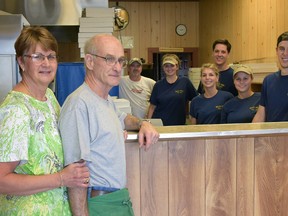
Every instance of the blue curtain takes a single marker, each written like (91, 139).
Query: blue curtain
(69, 77)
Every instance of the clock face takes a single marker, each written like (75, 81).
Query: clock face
(181, 29)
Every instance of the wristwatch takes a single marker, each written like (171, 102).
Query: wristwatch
(141, 121)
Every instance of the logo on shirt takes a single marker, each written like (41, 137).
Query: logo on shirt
(180, 91)
(138, 91)
(219, 107)
(253, 108)
(220, 85)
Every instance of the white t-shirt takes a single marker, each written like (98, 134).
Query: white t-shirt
(138, 93)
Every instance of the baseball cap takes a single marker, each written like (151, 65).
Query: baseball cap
(138, 60)
(169, 60)
(243, 68)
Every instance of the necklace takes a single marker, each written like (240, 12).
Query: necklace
(23, 83)
(26, 88)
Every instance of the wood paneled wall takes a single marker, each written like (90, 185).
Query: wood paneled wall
(243, 176)
(152, 24)
(252, 27)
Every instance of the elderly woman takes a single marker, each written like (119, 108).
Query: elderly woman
(242, 108)
(170, 95)
(206, 108)
(32, 178)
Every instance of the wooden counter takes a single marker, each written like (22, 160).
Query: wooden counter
(211, 170)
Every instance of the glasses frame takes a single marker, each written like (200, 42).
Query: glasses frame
(39, 57)
(108, 61)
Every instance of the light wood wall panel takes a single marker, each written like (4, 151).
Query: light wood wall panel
(152, 24)
(252, 27)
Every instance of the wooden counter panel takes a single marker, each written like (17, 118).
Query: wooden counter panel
(187, 177)
(133, 174)
(271, 176)
(154, 180)
(243, 176)
(220, 177)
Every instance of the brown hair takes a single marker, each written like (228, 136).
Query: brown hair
(224, 42)
(282, 37)
(30, 37)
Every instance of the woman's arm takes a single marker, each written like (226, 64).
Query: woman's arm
(74, 175)
(151, 111)
(260, 115)
(193, 120)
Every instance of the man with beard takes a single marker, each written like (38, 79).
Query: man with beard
(221, 50)
(136, 88)
(274, 95)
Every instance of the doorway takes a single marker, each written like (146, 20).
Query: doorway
(187, 55)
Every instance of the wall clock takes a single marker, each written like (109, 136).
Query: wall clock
(181, 29)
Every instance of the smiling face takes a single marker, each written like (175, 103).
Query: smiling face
(40, 73)
(243, 82)
(282, 53)
(220, 55)
(170, 69)
(134, 71)
(209, 78)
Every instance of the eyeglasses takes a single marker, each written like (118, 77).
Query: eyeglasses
(111, 60)
(39, 58)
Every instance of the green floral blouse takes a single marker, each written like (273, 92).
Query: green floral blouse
(29, 134)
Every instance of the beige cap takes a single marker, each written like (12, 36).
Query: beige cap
(135, 60)
(243, 68)
(169, 60)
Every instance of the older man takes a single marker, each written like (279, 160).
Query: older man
(136, 88)
(92, 130)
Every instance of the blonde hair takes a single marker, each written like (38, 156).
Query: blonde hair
(210, 66)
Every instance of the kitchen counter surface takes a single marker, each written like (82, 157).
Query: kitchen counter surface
(218, 130)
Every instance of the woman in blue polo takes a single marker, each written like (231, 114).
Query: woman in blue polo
(243, 107)
(170, 96)
(206, 108)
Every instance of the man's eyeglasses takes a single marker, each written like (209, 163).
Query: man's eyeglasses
(111, 60)
(39, 58)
